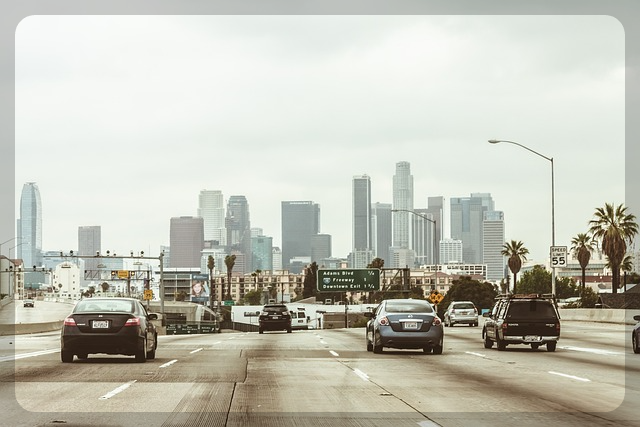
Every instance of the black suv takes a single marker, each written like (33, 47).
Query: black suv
(522, 319)
(275, 317)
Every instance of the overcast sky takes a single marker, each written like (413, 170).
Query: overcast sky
(121, 121)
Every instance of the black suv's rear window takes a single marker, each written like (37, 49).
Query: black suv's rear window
(275, 309)
(531, 309)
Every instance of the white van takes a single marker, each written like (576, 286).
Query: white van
(299, 319)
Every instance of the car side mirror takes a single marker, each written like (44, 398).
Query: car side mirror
(153, 316)
(369, 314)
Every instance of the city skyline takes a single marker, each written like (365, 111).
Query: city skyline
(427, 90)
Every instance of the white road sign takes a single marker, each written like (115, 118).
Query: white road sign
(558, 256)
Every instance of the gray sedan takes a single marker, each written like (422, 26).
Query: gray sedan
(404, 324)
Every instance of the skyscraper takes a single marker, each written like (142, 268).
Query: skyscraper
(186, 241)
(467, 217)
(435, 207)
(300, 221)
(238, 228)
(262, 249)
(402, 199)
(381, 224)
(29, 239)
(362, 238)
(493, 232)
(89, 238)
(211, 209)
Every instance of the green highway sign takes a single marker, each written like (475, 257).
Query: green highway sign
(348, 280)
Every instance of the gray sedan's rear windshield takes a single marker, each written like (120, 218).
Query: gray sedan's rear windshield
(408, 307)
(104, 305)
(463, 305)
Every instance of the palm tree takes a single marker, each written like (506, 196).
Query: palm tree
(229, 261)
(211, 263)
(582, 247)
(614, 227)
(516, 253)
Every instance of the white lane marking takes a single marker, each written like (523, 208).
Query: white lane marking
(475, 354)
(112, 393)
(593, 350)
(334, 353)
(169, 363)
(427, 423)
(570, 376)
(322, 342)
(196, 350)
(361, 374)
(25, 355)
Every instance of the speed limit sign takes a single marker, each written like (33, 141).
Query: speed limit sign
(558, 256)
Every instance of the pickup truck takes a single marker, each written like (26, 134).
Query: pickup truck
(530, 319)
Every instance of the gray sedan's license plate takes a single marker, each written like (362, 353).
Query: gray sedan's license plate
(100, 324)
(531, 338)
(411, 325)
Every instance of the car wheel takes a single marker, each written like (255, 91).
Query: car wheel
(82, 356)
(260, 331)
(535, 346)
(634, 343)
(501, 344)
(141, 353)
(66, 356)
(446, 322)
(289, 330)
(437, 349)
(376, 348)
(369, 344)
(487, 341)
(152, 354)
(551, 346)
(427, 349)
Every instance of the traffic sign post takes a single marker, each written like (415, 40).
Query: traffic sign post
(558, 256)
(348, 280)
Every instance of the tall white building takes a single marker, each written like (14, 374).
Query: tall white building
(492, 241)
(211, 210)
(450, 251)
(402, 200)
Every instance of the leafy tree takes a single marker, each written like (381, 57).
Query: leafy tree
(229, 261)
(253, 297)
(482, 294)
(182, 296)
(211, 263)
(614, 228)
(376, 263)
(309, 285)
(582, 247)
(538, 281)
(516, 253)
(589, 298)
(626, 267)
(104, 286)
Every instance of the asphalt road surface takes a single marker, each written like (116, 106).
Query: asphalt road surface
(326, 378)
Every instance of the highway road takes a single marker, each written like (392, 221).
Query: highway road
(326, 378)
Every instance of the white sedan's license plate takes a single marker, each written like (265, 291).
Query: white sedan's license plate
(531, 338)
(100, 324)
(411, 325)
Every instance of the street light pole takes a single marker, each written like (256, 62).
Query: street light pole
(432, 221)
(553, 225)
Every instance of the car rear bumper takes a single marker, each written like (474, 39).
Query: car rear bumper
(533, 340)
(99, 343)
(393, 339)
(463, 319)
(278, 325)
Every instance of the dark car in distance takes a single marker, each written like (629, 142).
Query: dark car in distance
(274, 317)
(28, 302)
(529, 319)
(635, 335)
(404, 324)
(109, 326)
